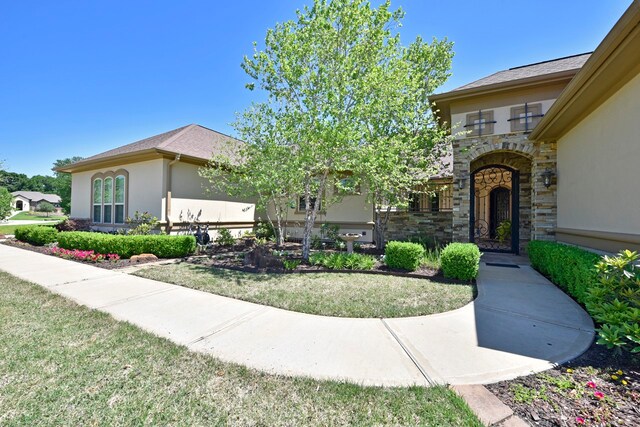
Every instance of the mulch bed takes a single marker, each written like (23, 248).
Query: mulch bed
(600, 388)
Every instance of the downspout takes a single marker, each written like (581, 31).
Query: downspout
(167, 209)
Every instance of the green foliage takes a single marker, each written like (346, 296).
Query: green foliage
(404, 255)
(426, 240)
(225, 238)
(291, 264)
(503, 231)
(316, 242)
(460, 261)
(614, 301)
(331, 232)
(36, 234)
(62, 184)
(342, 261)
(432, 258)
(46, 207)
(264, 229)
(162, 246)
(5, 203)
(572, 269)
(142, 223)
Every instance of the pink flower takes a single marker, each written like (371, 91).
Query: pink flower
(599, 395)
(591, 384)
(579, 420)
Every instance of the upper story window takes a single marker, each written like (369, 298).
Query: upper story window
(109, 197)
(302, 206)
(480, 123)
(525, 117)
(434, 198)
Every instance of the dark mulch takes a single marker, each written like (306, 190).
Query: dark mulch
(566, 395)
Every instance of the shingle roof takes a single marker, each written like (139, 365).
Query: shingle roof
(568, 63)
(36, 196)
(192, 140)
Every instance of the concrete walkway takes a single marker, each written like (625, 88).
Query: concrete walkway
(520, 323)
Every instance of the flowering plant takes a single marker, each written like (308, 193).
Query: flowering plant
(79, 255)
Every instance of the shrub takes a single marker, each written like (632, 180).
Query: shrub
(142, 223)
(460, 261)
(343, 261)
(79, 255)
(74, 225)
(427, 241)
(125, 246)
(264, 230)
(614, 301)
(37, 235)
(404, 255)
(225, 238)
(572, 269)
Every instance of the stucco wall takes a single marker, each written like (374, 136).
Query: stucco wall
(598, 172)
(189, 199)
(145, 188)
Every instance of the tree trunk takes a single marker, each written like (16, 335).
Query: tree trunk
(381, 226)
(311, 214)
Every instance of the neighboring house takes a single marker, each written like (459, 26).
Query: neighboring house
(30, 200)
(158, 175)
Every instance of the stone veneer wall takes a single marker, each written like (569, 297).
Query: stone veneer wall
(402, 225)
(538, 213)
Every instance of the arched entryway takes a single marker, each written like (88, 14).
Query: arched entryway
(494, 215)
(19, 205)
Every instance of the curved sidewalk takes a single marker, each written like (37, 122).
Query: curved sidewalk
(520, 323)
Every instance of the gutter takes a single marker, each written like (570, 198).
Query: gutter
(167, 210)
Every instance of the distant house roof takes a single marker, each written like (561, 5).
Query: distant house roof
(36, 196)
(568, 63)
(193, 141)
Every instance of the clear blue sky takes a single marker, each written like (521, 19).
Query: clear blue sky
(81, 77)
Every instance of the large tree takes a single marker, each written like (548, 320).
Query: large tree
(330, 75)
(63, 182)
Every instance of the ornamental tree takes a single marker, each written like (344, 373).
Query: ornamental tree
(46, 208)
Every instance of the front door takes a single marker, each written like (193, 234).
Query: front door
(494, 221)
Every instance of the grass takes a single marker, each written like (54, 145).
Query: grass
(10, 229)
(63, 364)
(35, 216)
(328, 294)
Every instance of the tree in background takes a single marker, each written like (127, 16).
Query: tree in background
(5, 203)
(46, 207)
(62, 185)
(330, 76)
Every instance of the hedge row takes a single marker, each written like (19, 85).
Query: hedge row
(460, 261)
(37, 235)
(162, 246)
(572, 269)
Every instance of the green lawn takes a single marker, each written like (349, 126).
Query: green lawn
(329, 294)
(36, 216)
(64, 364)
(10, 229)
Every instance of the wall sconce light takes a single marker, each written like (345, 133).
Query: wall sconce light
(461, 184)
(547, 175)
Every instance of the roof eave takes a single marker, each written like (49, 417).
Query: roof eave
(89, 164)
(610, 67)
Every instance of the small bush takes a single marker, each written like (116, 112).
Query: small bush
(572, 269)
(614, 301)
(343, 261)
(74, 225)
(142, 223)
(404, 255)
(225, 238)
(125, 246)
(264, 230)
(290, 264)
(37, 235)
(460, 261)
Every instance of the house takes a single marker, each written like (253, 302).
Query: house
(549, 151)
(158, 175)
(31, 200)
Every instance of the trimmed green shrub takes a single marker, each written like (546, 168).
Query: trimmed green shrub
(162, 246)
(37, 235)
(404, 255)
(343, 261)
(614, 301)
(460, 261)
(225, 238)
(572, 269)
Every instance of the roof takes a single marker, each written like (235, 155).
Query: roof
(193, 141)
(36, 196)
(537, 69)
(613, 64)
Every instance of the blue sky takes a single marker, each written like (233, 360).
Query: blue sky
(78, 77)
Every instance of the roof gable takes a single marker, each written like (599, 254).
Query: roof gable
(36, 196)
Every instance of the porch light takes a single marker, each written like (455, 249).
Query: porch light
(460, 183)
(547, 175)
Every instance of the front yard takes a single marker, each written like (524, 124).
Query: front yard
(36, 216)
(328, 294)
(63, 364)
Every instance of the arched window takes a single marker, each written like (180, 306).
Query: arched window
(109, 197)
(97, 200)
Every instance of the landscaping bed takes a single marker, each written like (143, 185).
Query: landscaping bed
(600, 388)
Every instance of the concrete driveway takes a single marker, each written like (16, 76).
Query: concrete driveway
(520, 323)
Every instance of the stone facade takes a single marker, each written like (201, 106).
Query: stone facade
(403, 225)
(538, 205)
